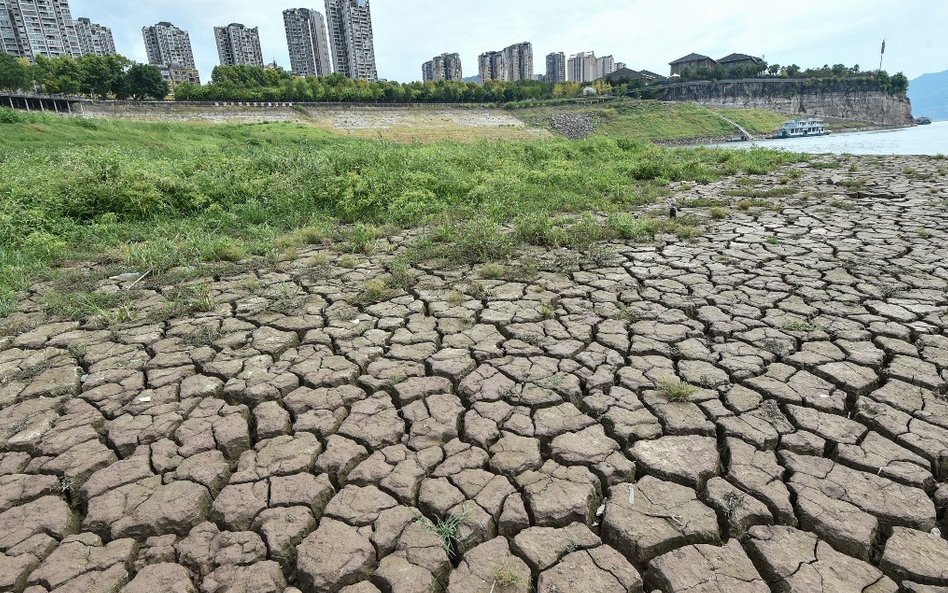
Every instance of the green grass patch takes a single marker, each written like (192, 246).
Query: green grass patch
(654, 121)
(676, 390)
(161, 196)
(758, 193)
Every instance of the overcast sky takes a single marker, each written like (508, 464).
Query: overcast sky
(646, 34)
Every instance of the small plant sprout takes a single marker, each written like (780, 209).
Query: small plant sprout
(676, 390)
(547, 310)
(375, 291)
(446, 529)
(492, 271)
(506, 577)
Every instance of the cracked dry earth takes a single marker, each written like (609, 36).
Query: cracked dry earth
(314, 442)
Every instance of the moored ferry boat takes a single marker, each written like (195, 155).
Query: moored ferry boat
(802, 128)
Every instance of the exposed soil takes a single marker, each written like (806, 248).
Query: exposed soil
(762, 408)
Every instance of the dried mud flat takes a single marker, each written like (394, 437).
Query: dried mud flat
(760, 409)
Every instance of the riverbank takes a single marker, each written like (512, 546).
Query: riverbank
(476, 381)
(641, 121)
(162, 195)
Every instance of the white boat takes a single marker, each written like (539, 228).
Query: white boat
(802, 128)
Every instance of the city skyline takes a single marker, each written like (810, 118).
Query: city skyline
(847, 32)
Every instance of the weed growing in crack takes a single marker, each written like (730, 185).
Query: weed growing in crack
(801, 326)
(773, 240)
(758, 195)
(527, 269)
(205, 336)
(362, 238)
(446, 529)
(506, 576)
(628, 314)
(375, 291)
(348, 262)
(492, 271)
(547, 310)
(772, 345)
(287, 297)
(400, 276)
(188, 300)
(718, 213)
(31, 372)
(251, 284)
(455, 298)
(842, 205)
(107, 309)
(676, 390)
(480, 292)
(77, 351)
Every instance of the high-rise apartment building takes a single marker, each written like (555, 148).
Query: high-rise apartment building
(169, 48)
(604, 66)
(238, 45)
(351, 39)
(33, 28)
(492, 65)
(307, 41)
(520, 61)
(510, 65)
(9, 43)
(555, 67)
(582, 67)
(443, 67)
(94, 39)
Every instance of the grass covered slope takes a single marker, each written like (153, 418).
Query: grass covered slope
(653, 121)
(151, 196)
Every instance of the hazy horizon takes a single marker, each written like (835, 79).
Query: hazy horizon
(639, 33)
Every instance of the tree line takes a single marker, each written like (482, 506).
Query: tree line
(896, 84)
(100, 77)
(253, 83)
(117, 77)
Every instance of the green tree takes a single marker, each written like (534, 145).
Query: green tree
(145, 82)
(58, 75)
(14, 73)
(101, 76)
(899, 84)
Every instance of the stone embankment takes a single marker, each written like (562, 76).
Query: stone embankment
(762, 408)
(574, 126)
(797, 98)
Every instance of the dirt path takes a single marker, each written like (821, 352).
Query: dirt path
(760, 409)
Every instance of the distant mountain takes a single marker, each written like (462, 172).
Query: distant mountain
(929, 94)
(474, 79)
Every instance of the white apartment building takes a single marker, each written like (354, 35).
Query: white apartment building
(238, 45)
(307, 41)
(94, 39)
(33, 28)
(351, 38)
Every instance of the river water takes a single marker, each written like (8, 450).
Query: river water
(926, 140)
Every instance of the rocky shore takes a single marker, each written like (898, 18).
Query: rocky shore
(759, 408)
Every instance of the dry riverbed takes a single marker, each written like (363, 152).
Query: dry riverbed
(758, 408)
